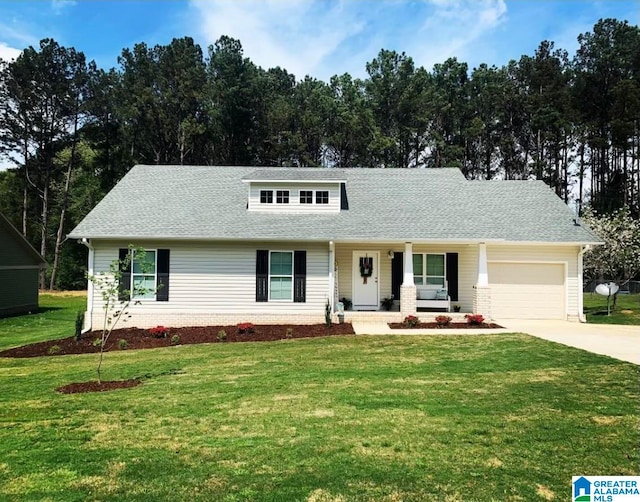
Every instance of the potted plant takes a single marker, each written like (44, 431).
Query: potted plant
(387, 303)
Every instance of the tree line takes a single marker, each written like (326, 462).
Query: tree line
(72, 130)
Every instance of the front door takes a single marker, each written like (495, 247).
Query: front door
(366, 271)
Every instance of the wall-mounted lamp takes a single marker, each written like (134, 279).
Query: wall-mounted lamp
(390, 254)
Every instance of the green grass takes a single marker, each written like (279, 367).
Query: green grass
(413, 418)
(627, 310)
(56, 319)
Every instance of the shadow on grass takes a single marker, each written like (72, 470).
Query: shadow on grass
(39, 311)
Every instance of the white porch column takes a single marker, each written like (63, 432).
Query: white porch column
(408, 288)
(407, 279)
(483, 269)
(481, 291)
(332, 276)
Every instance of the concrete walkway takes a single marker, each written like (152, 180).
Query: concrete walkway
(614, 340)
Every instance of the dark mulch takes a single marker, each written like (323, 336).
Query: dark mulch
(94, 386)
(453, 325)
(137, 338)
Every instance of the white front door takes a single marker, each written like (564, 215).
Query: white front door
(365, 280)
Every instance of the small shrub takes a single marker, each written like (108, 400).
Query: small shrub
(97, 342)
(246, 328)
(222, 335)
(54, 349)
(327, 314)
(474, 319)
(456, 308)
(122, 343)
(411, 321)
(175, 339)
(289, 333)
(443, 320)
(79, 325)
(158, 332)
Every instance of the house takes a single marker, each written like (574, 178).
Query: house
(231, 244)
(20, 266)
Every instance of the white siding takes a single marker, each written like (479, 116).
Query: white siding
(294, 205)
(567, 256)
(208, 278)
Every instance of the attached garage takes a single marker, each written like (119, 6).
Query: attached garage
(528, 290)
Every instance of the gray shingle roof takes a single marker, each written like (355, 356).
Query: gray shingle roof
(419, 205)
(295, 174)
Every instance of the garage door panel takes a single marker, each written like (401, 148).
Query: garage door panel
(527, 290)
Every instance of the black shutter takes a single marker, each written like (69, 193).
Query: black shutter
(262, 275)
(124, 287)
(299, 276)
(162, 293)
(397, 273)
(452, 275)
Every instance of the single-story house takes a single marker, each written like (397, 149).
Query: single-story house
(246, 244)
(20, 266)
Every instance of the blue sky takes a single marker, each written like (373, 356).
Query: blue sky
(316, 37)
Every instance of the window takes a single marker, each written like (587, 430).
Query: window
(306, 197)
(143, 276)
(429, 269)
(322, 197)
(282, 196)
(281, 275)
(266, 196)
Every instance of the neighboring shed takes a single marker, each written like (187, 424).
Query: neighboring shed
(20, 265)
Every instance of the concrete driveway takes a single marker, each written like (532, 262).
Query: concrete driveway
(614, 340)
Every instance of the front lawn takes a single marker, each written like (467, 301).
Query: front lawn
(414, 418)
(627, 310)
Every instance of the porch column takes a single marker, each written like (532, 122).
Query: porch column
(481, 291)
(332, 276)
(408, 288)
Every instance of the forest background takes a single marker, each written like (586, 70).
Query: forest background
(71, 130)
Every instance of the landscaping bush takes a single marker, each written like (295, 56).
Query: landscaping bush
(159, 332)
(54, 349)
(222, 335)
(175, 339)
(443, 320)
(246, 328)
(122, 344)
(474, 319)
(410, 321)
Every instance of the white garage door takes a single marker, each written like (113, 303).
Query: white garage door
(527, 290)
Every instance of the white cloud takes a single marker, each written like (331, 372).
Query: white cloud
(8, 53)
(322, 38)
(59, 5)
(297, 35)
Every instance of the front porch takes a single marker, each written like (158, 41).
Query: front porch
(365, 276)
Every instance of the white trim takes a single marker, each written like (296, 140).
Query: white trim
(300, 198)
(284, 276)
(155, 276)
(424, 269)
(544, 262)
(332, 278)
(581, 316)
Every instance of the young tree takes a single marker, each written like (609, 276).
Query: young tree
(618, 260)
(117, 296)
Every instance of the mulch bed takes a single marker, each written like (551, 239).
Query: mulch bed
(453, 325)
(137, 338)
(94, 386)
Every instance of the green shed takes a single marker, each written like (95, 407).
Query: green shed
(20, 265)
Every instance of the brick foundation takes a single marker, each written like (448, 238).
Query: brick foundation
(408, 300)
(482, 301)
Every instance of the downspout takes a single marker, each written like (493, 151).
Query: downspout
(88, 322)
(332, 277)
(581, 315)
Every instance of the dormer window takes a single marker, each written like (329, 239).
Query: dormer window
(282, 196)
(306, 196)
(322, 197)
(266, 196)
